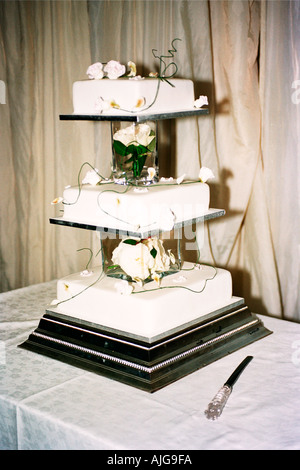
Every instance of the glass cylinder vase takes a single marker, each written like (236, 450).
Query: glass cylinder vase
(134, 150)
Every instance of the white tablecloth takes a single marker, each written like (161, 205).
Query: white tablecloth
(46, 404)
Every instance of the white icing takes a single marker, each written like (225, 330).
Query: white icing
(127, 93)
(112, 206)
(146, 314)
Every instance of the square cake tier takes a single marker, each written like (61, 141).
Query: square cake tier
(129, 96)
(159, 206)
(149, 311)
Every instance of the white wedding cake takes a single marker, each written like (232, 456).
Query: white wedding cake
(151, 311)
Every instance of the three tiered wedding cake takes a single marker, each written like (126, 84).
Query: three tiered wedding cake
(174, 316)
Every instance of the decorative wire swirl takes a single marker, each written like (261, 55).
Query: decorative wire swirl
(179, 286)
(91, 256)
(128, 187)
(101, 275)
(80, 184)
(162, 73)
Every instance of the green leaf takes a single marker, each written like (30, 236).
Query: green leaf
(130, 241)
(152, 145)
(153, 252)
(113, 266)
(137, 149)
(120, 148)
(138, 165)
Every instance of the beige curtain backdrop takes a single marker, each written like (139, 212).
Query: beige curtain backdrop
(244, 55)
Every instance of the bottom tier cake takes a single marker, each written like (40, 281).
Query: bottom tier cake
(151, 337)
(148, 366)
(147, 311)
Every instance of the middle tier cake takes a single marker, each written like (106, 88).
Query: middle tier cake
(130, 208)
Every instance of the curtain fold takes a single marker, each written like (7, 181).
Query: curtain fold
(44, 45)
(244, 55)
(8, 238)
(280, 101)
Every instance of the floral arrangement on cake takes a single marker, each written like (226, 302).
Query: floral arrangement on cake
(113, 70)
(132, 145)
(142, 260)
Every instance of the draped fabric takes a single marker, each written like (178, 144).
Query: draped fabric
(244, 55)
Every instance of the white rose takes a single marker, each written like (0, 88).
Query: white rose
(114, 69)
(125, 135)
(95, 71)
(205, 174)
(135, 260)
(143, 136)
(133, 134)
(201, 101)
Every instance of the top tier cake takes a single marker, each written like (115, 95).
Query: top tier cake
(112, 91)
(137, 95)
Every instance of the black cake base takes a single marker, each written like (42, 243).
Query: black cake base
(145, 365)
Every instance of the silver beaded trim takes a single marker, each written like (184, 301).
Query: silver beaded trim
(124, 362)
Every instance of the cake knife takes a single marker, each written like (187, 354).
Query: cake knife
(216, 406)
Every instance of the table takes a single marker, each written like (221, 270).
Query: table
(46, 404)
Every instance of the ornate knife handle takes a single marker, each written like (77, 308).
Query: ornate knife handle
(215, 407)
